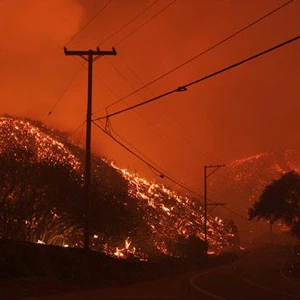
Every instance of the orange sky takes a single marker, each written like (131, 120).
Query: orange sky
(251, 109)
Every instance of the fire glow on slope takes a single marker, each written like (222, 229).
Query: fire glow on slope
(171, 215)
(242, 182)
(17, 133)
(245, 179)
(167, 214)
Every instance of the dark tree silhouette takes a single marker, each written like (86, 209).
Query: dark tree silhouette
(192, 248)
(280, 201)
(36, 197)
(234, 240)
(44, 200)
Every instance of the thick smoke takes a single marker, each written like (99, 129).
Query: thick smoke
(249, 110)
(33, 71)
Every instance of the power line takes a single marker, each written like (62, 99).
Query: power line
(179, 125)
(131, 86)
(146, 162)
(106, 86)
(204, 52)
(151, 165)
(144, 24)
(156, 168)
(128, 23)
(73, 132)
(67, 42)
(235, 213)
(132, 71)
(109, 129)
(63, 93)
(156, 128)
(184, 87)
(81, 135)
(97, 77)
(89, 22)
(78, 127)
(119, 72)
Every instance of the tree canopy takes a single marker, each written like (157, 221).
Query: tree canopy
(43, 200)
(280, 201)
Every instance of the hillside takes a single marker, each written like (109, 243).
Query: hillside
(242, 182)
(131, 215)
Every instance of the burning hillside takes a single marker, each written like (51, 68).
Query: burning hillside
(242, 182)
(171, 215)
(156, 214)
(17, 134)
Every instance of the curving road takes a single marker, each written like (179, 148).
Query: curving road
(256, 275)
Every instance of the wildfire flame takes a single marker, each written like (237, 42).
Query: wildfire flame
(168, 214)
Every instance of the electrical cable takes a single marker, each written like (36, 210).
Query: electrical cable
(77, 128)
(73, 132)
(156, 128)
(157, 169)
(235, 213)
(119, 72)
(179, 125)
(110, 130)
(63, 94)
(105, 85)
(89, 22)
(144, 24)
(139, 115)
(80, 135)
(97, 77)
(146, 162)
(131, 86)
(83, 64)
(128, 23)
(205, 51)
(184, 87)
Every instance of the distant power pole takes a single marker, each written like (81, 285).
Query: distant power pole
(89, 56)
(215, 168)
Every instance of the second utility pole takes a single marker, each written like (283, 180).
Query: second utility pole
(215, 168)
(88, 56)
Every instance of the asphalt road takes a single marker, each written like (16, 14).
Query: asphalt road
(256, 275)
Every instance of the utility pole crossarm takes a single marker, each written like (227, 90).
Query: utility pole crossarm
(215, 166)
(96, 52)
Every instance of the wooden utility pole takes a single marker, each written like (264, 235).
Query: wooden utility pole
(89, 56)
(215, 168)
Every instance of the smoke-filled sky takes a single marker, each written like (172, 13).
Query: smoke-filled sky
(248, 110)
